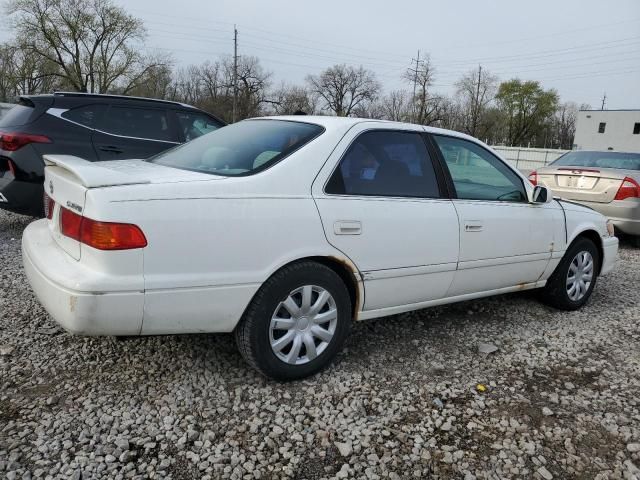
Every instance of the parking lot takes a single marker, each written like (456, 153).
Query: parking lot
(561, 395)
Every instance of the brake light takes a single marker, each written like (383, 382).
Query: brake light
(533, 177)
(12, 141)
(49, 203)
(101, 235)
(629, 189)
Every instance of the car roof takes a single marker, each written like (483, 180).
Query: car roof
(106, 98)
(333, 123)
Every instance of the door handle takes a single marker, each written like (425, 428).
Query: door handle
(110, 148)
(347, 227)
(473, 226)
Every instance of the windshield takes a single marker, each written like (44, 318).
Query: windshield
(243, 148)
(625, 161)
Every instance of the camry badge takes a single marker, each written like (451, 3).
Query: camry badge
(50, 187)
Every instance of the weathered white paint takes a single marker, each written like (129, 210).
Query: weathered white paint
(213, 241)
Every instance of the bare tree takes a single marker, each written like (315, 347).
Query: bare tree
(289, 99)
(425, 107)
(94, 43)
(476, 90)
(344, 88)
(396, 106)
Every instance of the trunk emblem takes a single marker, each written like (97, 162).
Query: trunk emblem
(51, 187)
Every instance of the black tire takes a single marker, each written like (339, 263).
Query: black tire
(253, 335)
(555, 292)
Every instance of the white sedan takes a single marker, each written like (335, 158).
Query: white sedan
(284, 230)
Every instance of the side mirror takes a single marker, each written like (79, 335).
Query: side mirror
(541, 194)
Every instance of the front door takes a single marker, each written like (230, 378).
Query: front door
(504, 240)
(380, 202)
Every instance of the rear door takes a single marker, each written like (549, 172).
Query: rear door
(381, 201)
(134, 132)
(504, 240)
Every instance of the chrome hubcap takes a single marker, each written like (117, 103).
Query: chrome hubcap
(579, 276)
(303, 325)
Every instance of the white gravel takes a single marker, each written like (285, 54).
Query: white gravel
(562, 397)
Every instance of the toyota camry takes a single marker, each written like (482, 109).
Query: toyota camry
(285, 230)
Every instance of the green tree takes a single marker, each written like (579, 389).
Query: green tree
(527, 106)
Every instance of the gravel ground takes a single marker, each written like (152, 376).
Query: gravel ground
(561, 397)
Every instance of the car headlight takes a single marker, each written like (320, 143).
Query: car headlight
(610, 230)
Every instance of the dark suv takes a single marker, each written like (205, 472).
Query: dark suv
(93, 127)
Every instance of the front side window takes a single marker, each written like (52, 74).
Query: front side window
(243, 148)
(477, 174)
(386, 163)
(196, 124)
(145, 123)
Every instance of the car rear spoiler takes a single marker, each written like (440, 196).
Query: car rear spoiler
(92, 174)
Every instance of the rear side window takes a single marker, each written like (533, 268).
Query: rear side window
(87, 115)
(243, 148)
(145, 123)
(18, 115)
(386, 163)
(195, 124)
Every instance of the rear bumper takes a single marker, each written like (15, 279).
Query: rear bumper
(77, 311)
(20, 196)
(610, 254)
(624, 214)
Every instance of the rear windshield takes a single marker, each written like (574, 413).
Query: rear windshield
(625, 161)
(243, 148)
(18, 115)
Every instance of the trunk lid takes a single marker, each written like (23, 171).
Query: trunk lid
(67, 180)
(598, 185)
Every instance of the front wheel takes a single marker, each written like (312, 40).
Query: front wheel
(573, 280)
(296, 323)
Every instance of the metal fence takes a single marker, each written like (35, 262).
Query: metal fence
(529, 158)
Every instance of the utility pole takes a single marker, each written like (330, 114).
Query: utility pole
(604, 100)
(415, 81)
(235, 73)
(476, 112)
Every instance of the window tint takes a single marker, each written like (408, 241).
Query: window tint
(601, 127)
(138, 122)
(622, 160)
(18, 115)
(477, 174)
(195, 124)
(87, 115)
(386, 163)
(243, 148)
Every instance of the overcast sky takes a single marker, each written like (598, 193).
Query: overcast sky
(582, 48)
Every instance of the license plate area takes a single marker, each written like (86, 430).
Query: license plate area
(580, 182)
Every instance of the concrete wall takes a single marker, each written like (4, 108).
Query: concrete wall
(618, 133)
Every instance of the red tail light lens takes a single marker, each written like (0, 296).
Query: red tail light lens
(49, 203)
(101, 235)
(12, 141)
(629, 189)
(533, 177)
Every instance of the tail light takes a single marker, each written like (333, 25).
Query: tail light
(12, 141)
(533, 177)
(628, 189)
(101, 235)
(49, 203)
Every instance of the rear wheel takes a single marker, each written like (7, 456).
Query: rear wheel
(296, 323)
(572, 282)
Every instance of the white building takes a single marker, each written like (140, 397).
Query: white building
(608, 130)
